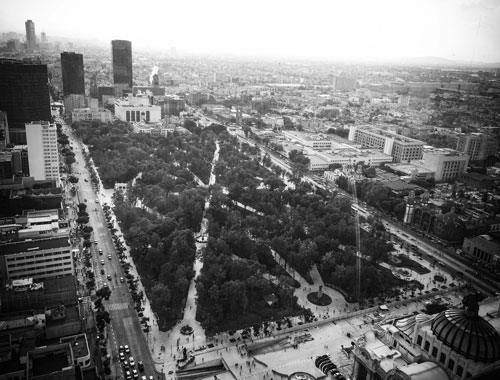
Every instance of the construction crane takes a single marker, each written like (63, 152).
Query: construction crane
(351, 175)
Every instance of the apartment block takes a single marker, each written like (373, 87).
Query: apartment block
(43, 156)
(36, 259)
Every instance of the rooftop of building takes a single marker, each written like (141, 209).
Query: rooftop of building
(48, 359)
(308, 136)
(384, 133)
(34, 245)
(148, 125)
(39, 216)
(78, 344)
(409, 168)
(11, 366)
(24, 61)
(399, 185)
(485, 240)
(470, 333)
(90, 373)
(55, 292)
(467, 333)
(41, 122)
(442, 151)
(24, 183)
(353, 152)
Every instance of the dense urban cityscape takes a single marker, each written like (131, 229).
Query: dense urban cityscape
(170, 215)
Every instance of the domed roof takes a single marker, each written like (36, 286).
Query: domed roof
(451, 218)
(468, 334)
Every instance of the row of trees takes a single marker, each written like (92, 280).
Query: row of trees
(121, 155)
(161, 236)
(376, 195)
(231, 291)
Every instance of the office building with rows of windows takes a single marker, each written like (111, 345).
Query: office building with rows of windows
(478, 146)
(125, 111)
(24, 92)
(36, 259)
(72, 73)
(121, 55)
(43, 156)
(401, 148)
(447, 164)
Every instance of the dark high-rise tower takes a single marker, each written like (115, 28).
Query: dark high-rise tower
(72, 73)
(122, 62)
(30, 35)
(24, 92)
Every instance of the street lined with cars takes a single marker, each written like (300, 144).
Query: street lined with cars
(125, 327)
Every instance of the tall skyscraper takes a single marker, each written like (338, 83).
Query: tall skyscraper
(24, 92)
(43, 157)
(4, 130)
(72, 73)
(122, 62)
(30, 35)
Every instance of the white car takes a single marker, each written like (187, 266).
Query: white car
(131, 361)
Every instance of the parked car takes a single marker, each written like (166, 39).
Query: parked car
(140, 365)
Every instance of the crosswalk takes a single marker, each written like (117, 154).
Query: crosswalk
(117, 306)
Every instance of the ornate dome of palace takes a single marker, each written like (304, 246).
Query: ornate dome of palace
(468, 334)
(451, 218)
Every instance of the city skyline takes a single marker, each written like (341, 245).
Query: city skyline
(467, 30)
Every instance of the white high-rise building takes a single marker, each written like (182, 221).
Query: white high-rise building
(43, 157)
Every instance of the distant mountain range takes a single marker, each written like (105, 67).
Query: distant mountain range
(438, 61)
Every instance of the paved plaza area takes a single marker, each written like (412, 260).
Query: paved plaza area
(275, 357)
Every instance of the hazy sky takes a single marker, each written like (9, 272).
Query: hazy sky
(342, 29)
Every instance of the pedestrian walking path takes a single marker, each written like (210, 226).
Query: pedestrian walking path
(338, 301)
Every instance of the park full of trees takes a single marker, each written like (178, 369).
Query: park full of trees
(161, 237)
(253, 213)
